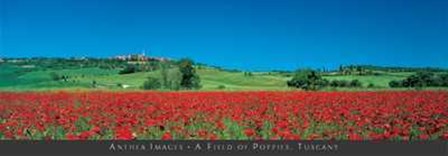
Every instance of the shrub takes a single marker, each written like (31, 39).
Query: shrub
(355, 83)
(221, 87)
(395, 84)
(341, 83)
(334, 83)
(55, 77)
(345, 83)
(128, 70)
(151, 84)
(94, 84)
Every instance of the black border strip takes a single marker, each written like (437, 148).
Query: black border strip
(201, 147)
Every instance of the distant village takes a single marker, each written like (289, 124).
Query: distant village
(139, 58)
(130, 58)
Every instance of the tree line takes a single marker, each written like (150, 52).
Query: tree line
(373, 70)
(422, 79)
(312, 80)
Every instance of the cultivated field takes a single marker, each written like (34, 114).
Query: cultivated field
(394, 115)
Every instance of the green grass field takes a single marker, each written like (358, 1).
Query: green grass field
(14, 78)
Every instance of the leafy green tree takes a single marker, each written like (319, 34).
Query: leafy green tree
(425, 78)
(190, 79)
(436, 81)
(307, 80)
(164, 75)
(174, 79)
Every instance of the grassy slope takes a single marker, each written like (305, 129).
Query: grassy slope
(12, 79)
(211, 79)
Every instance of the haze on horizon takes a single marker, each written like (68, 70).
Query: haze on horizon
(242, 34)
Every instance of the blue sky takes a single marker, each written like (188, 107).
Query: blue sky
(244, 34)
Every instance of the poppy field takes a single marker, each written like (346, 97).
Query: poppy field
(267, 115)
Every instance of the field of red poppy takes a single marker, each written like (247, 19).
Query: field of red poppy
(395, 115)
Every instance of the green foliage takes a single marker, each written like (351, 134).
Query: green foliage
(55, 77)
(307, 80)
(170, 77)
(354, 70)
(339, 83)
(233, 131)
(221, 87)
(164, 75)
(129, 69)
(395, 84)
(94, 84)
(355, 83)
(443, 79)
(266, 131)
(415, 132)
(368, 69)
(190, 79)
(422, 79)
(82, 124)
(346, 83)
(152, 83)
(55, 132)
(248, 74)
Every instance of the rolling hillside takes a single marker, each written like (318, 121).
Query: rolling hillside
(14, 78)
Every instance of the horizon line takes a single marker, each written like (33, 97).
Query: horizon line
(229, 68)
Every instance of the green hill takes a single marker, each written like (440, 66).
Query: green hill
(211, 79)
(16, 78)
